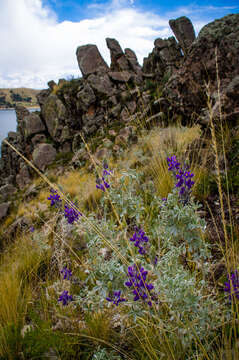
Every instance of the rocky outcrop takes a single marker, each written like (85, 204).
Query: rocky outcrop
(184, 32)
(124, 92)
(164, 60)
(90, 60)
(186, 89)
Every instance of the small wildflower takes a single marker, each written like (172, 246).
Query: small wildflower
(183, 178)
(32, 229)
(138, 238)
(71, 214)
(67, 273)
(232, 285)
(65, 298)
(101, 183)
(137, 279)
(55, 198)
(116, 299)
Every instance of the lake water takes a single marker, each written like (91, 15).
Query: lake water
(8, 122)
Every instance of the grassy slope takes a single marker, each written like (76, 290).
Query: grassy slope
(23, 92)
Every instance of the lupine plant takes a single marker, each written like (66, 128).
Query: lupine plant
(167, 269)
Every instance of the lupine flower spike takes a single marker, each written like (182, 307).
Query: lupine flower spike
(139, 238)
(67, 273)
(101, 183)
(55, 198)
(137, 280)
(182, 176)
(232, 286)
(71, 214)
(65, 298)
(115, 298)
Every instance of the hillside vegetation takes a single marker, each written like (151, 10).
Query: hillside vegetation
(119, 207)
(9, 98)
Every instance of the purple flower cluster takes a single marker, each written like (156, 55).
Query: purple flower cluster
(182, 176)
(71, 214)
(101, 183)
(55, 198)
(115, 298)
(67, 273)
(137, 280)
(232, 285)
(138, 238)
(65, 298)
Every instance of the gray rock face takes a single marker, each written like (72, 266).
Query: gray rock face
(184, 31)
(119, 61)
(86, 97)
(38, 139)
(89, 60)
(54, 114)
(31, 125)
(23, 177)
(186, 89)
(164, 59)
(120, 76)
(101, 83)
(4, 210)
(43, 155)
(21, 112)
(132, 59)
(6, 191)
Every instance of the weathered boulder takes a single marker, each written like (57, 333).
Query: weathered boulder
(86, 97)
(186, 89)
(6, 191)
(120, 76)
(38, 139)
(51, 84)
(165, 58)
(42, 96)
(23, 177)
(31, 124)
(101, 84)
(21, 112)
(184, 32)
(54, 114)
(4, 210)
(132, 59)
(89, 60)
(43, 155)
(119, 61)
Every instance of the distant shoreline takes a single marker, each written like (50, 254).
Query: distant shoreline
(12, 108)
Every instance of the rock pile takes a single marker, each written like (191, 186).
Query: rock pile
(117, 94)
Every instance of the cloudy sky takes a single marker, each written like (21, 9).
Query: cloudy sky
(39, 37)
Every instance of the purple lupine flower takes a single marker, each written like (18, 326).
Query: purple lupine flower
(173, 164)
(55, 198)
(137, 280)
(182, 176)
(71, 214)
(101, 183)
(232, 285)
(67, 273)
(115, 298)
(32, 229)
(138, 238)
(65, 298)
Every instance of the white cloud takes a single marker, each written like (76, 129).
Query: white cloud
(38, 48)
